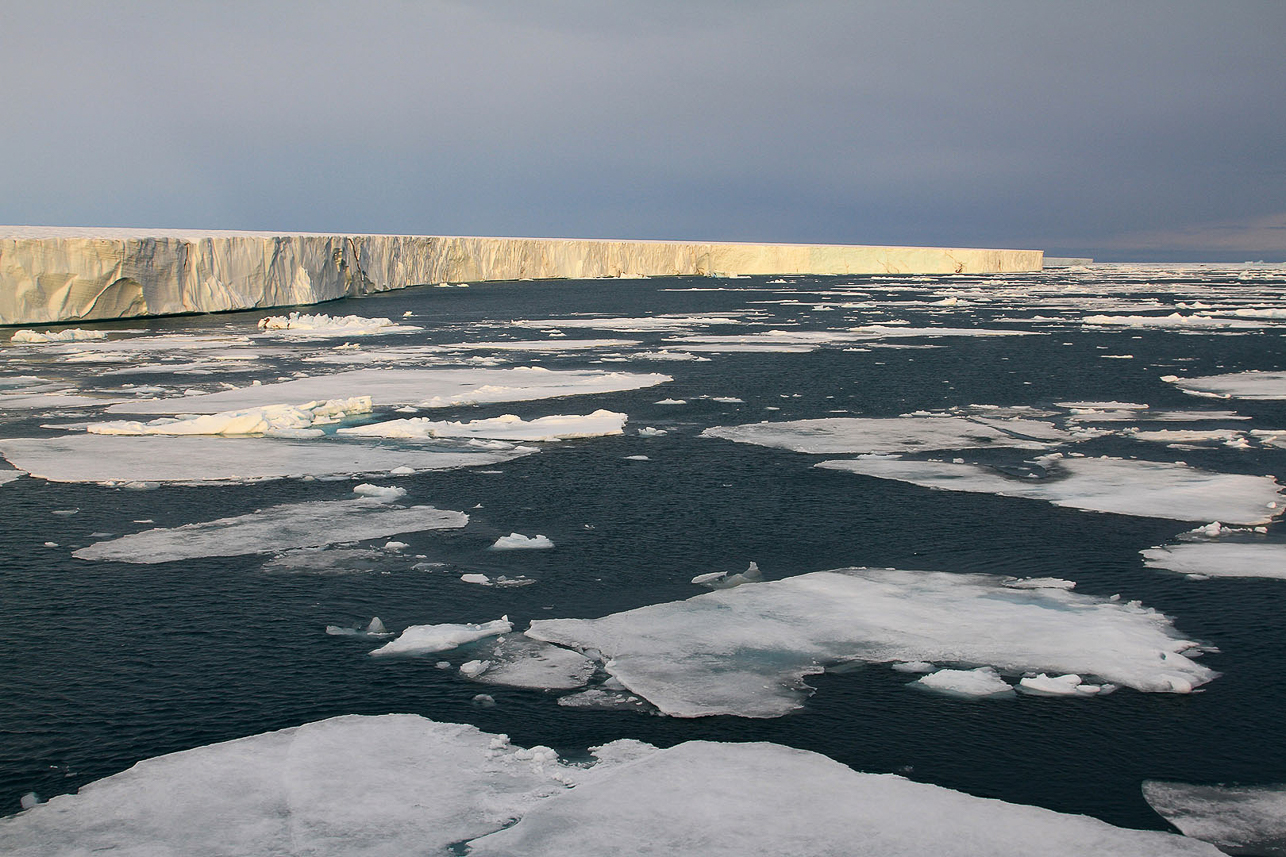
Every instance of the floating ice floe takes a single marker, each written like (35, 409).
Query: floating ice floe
(833, 435)
(427, 639)
(403, 784)
(109, 459)
(747, 650)
(426, 388)
(554, 345)
(1121, 486)
(508, 427)
(640, 324)
(1236, 819)
(304, 324)
(517, 541)
(293, 525)
(374, 630)
(980, 682)
(270, 420)
(1221, 559)
(516, 660)
(724, 580)
(1060, 685)
(1173, 320)
(72, 334)
(385, 494)
(9, 476)
(1237, 385)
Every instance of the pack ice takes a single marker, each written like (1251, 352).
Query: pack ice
(294, 525)
(746, 651)
(1122, 486)
(401, 784)
(1237, 819)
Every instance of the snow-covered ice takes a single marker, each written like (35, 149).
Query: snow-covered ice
(747, 650)
(1237, 819)
(401, 784)
(1238, 385)
(119, 459)
(1121, 486)
(517, 541)
(834, 435)
(426, 388)
(516, 660)
(508, 427)
(270, 420)
(1221, 559)
(71, 334)
(320, 324)
(427, 639)
(293, 525)
(980, 682)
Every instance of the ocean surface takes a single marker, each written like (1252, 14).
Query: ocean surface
(108, 663)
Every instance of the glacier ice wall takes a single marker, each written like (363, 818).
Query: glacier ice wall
(58, 274)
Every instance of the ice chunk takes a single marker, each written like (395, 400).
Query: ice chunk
(113, 459)
(292, 525)
(71, 334)
(426, 639)
(303, 324)
(481, 579)
(1047, 685)
(1237, 819)
(980, 682)
(473, 669)
(267, 420)
(379, 492)
(517, 541)
(1221, 559)
(375, 629)
(427, 388)
(1237, 385)
(401, 784)
(9, 476)
(724, 580)
(884, 435)
(507, 427)
(1124, 487)
(519, 661)
(747, 650)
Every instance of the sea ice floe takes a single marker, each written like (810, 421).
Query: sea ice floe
(1221, 559)
(640, 324)
(724, 580)
(516, 660)
(427, 639)
(1173, 320)
(747, 650)
(270, 420)
(9, 476)
(304, 324)
(980, 682)
(555, 345)
(1058, 685)
(508, 427)
(889, 434)
(403, 784)
(374, 630)
(385, 494)
(1237, 819)
(1238, 385)
(426, 388)
(293, 525)
(517, 541)
(1120, 486)
(112, 459)
(71, 334)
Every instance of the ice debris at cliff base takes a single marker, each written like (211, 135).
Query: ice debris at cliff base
(1237, 385)
(270, 420)
(402, 784)
(304, 324)
(508, 427)
(837, 435)
(119, 460)
(71, 334)
(294, 525)
(746, 651)
(1221, 559)
(426, 388)
(1237, 819)
(1120, 486)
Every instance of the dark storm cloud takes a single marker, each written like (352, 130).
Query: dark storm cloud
(1132, 130)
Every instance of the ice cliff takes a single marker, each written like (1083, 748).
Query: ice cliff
(57, 274)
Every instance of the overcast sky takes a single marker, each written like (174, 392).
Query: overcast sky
(1122, 129)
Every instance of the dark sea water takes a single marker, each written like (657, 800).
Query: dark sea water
(105, 664)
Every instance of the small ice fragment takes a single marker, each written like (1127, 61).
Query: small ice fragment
(51, 544)
(402, 471)
(443, 665)
(637, 458)
(395, 546)
(1047, 685)
(914, 667)
(517, 541)
(671, 402)
(378, 492)
(473, 669)
(480, 579)
(29, 800)
(425, 639)
(648, 431)
(724, 580)
(484, 700)
(980, 682)
(376, 628)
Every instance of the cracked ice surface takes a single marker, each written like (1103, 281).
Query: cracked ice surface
(1221, 559)
(1240, 820)
(894, 434)
(294, 525)
(124, 459)
(746, 651)
(507, 427)
(1125, 487)
(427, 388)
(401, 784)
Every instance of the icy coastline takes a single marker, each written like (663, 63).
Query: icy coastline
(58, 274)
